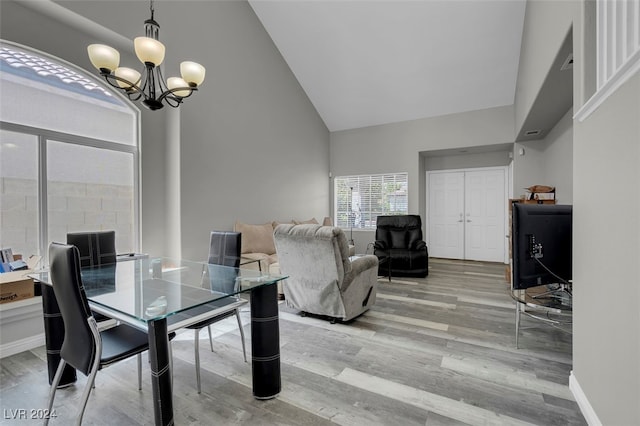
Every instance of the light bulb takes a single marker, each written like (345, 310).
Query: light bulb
(192, 72)
(149, 50)
(176, 83)
(103, 56)
(128, 74)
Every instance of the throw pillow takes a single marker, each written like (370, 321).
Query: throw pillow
(256, 238)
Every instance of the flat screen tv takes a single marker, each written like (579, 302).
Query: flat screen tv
(541, 244)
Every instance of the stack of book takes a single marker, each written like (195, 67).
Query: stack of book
(9, 262)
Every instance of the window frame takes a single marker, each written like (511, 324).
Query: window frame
(368, 215)
(45, 135)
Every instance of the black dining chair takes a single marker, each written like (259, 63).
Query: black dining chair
(96, 248)
(224, 249)
(84, 347)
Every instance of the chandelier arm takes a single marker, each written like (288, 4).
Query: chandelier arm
(132, 86)
(133, 95)
(162, 82)
(169, 92)
(173, 102)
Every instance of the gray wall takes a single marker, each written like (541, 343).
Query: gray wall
(606, 252)
(539, 49)
(401, 147)
(251, 145)
(547, 162)
(606, 227)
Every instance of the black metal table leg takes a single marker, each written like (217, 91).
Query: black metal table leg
(54, 336)
(160, 372)
(265, 342)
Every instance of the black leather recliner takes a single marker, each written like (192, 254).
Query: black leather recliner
(400, 248)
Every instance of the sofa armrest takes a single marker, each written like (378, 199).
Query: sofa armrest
(358, 266)
(418, 245)
(380, 245)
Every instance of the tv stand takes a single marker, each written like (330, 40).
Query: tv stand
(562, 291)
(551, 306)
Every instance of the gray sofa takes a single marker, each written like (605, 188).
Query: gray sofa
(322, 279)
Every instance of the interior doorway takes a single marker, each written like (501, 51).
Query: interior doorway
(467, 213)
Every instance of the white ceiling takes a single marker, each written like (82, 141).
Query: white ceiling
(370, 62)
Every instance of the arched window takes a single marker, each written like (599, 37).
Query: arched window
(69, 154)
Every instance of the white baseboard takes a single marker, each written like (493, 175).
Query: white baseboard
(21, 345)
(585, 407)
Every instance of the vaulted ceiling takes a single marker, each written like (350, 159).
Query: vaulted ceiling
(371, 62)
(365, 63)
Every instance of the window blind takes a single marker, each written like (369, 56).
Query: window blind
(360, 199)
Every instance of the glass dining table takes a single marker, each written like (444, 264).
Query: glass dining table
(161, 295)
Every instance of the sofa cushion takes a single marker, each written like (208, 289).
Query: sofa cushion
(256, 238)
(312, 221)
(275, 223)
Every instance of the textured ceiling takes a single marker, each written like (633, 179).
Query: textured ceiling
(365, 63)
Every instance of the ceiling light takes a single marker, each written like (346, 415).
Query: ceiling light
(149, 85)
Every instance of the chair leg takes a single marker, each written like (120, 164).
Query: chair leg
(210, 340)
(244, 349)
(54, 387)
(197, 348)
(139, 357)
(87, 390)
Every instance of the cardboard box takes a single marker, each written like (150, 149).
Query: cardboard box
(16, 286)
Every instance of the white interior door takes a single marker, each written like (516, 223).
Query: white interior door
(466, 214)
(484, 215)
(446, 215)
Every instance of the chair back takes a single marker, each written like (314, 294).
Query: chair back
(399, 231)
(96, 248)
(312, 253)
(225, 249)
(79, 345)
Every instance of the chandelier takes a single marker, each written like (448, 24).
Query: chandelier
(153, 90)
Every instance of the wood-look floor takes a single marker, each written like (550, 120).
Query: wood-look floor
(434, 351)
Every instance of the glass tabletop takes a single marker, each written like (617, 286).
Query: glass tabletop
(154, 288)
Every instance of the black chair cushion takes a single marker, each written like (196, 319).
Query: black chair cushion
(121, 342)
